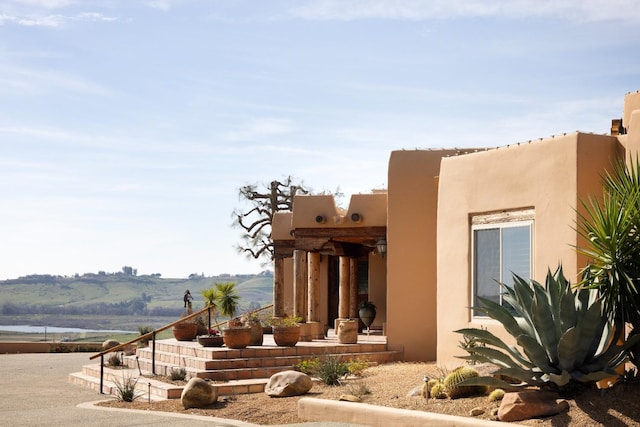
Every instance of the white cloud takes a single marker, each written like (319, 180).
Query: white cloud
(164, 5)
(572, 10)
(46, 4)
(259, 128)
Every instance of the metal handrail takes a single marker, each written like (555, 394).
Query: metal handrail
(153, 333)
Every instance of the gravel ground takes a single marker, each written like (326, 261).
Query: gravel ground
(389, 385)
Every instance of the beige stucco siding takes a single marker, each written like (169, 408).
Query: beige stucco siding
(546, 175)
(411, 260)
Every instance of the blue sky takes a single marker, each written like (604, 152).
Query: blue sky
(126, 127)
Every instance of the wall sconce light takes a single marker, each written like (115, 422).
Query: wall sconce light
(356, 217)
(381, 245)
(320, 219)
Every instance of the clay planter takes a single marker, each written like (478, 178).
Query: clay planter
(286, 336)
(207, 341)
(256, 333)
(185, 331)
(237, 337)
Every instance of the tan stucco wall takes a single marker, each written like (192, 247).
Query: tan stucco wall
(411, 256)
(378, 287)
(548, 175)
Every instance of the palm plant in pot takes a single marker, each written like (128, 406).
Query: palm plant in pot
(212, 338)
(236, 335)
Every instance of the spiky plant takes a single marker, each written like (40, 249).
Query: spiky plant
(611, 228)
(562, 336)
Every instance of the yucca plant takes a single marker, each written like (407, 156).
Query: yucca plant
(611, 228)
(561, 333)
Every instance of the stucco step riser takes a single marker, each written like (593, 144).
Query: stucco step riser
(260, 351)
(248, 363)
(158, 393)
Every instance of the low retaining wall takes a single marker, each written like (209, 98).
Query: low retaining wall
(311, 409)
(14, 347)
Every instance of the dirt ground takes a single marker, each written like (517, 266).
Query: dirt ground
(389, 385)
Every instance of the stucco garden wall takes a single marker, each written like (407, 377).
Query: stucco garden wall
(548, 176)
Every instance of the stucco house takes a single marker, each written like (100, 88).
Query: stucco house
(450, 224)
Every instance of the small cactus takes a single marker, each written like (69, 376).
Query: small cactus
(496, 395)
(458, 375)
(437, 392)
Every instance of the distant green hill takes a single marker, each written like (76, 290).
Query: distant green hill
(117, 294)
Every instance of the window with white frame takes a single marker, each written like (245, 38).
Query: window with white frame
(501, 246)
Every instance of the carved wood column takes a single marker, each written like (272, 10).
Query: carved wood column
(313, 299)
(343, 292)
(300, 284)
(278, 287)
(353, 288)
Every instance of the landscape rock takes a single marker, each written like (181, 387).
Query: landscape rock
(288, 383)
(198, 394)
(528, 404)
(416, 391)
(476, 411)
(109, 344)
(349, 398)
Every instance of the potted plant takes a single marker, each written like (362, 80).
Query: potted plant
(253, 321)
(212, 339)
(367, 312)
(286, 330)
(236, 335)
(187, 330)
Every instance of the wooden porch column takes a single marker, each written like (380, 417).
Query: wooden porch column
(300, 284)
(353, 288)
(343, 292)
(313, 299)
(278, 287)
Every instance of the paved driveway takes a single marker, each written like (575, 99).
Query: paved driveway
(35, 391)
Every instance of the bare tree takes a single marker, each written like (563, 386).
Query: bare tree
(256, 223)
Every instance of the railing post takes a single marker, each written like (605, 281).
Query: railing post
(101, 373)
(153, 354)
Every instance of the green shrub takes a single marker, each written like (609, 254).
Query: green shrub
(115, 360)
(126, 390)
(331, 369)
(178, 374)
(357, 366)
(309, 367)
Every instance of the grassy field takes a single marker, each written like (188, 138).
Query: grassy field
(114, 301)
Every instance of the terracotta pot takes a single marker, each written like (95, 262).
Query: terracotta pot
(211, 341)
(286, 336)
(256, 333)
(238, 337)
(185, 331)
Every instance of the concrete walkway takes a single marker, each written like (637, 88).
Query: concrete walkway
(35, 391)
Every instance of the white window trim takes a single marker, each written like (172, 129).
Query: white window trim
(506, 219)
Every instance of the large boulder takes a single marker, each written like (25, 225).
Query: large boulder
(109, 344)
(288, 383)
(198, 394)
(524, 405)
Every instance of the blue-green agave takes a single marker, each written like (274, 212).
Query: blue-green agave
(562, 335)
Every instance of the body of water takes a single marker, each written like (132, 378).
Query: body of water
(56, 330)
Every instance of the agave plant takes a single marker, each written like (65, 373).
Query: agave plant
(561, 333)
